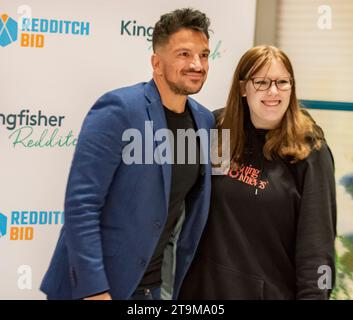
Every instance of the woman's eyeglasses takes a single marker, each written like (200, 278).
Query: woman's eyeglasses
(263, 84)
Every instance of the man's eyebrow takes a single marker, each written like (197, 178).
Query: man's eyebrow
(187, 49)
(182, 49)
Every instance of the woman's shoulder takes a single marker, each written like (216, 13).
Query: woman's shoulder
(218, 113)
(320, 159)
(316, 132)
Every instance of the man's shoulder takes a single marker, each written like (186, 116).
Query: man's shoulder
(124, 99)
(114, 105)
(218, 113)
(126, 92)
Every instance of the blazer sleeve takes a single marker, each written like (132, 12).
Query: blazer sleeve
(97, 156)
(316, 226)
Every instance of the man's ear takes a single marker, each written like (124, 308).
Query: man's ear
(156, 62)
(242, 88)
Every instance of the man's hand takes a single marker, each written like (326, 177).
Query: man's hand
(102, 296)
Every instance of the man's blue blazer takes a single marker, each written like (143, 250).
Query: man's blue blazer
(115, 212)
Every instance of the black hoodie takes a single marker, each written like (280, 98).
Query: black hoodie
(271, 229)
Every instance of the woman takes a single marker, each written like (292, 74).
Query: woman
(272, 221)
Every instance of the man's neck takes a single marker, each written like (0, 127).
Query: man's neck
(171, 100)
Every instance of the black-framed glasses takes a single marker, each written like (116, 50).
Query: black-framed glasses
(262, 84)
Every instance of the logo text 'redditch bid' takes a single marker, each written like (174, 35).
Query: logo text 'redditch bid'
(21, 224)
(32, 30)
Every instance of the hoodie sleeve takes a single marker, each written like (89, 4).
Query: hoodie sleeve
(316, 226)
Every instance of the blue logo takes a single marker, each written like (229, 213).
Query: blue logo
(22, 223)
(32, 30)
(8, 30)
(3, 224)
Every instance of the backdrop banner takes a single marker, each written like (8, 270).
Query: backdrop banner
(57, 59)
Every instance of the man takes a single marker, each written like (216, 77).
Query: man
(120, 217)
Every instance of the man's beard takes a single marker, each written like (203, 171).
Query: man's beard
(181, 89)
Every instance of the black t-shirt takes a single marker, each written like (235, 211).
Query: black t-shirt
(184, 177)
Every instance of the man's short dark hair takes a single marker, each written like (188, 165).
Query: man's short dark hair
(172, 22)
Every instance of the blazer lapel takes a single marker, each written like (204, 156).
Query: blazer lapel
(156, 114)
(200, 124)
